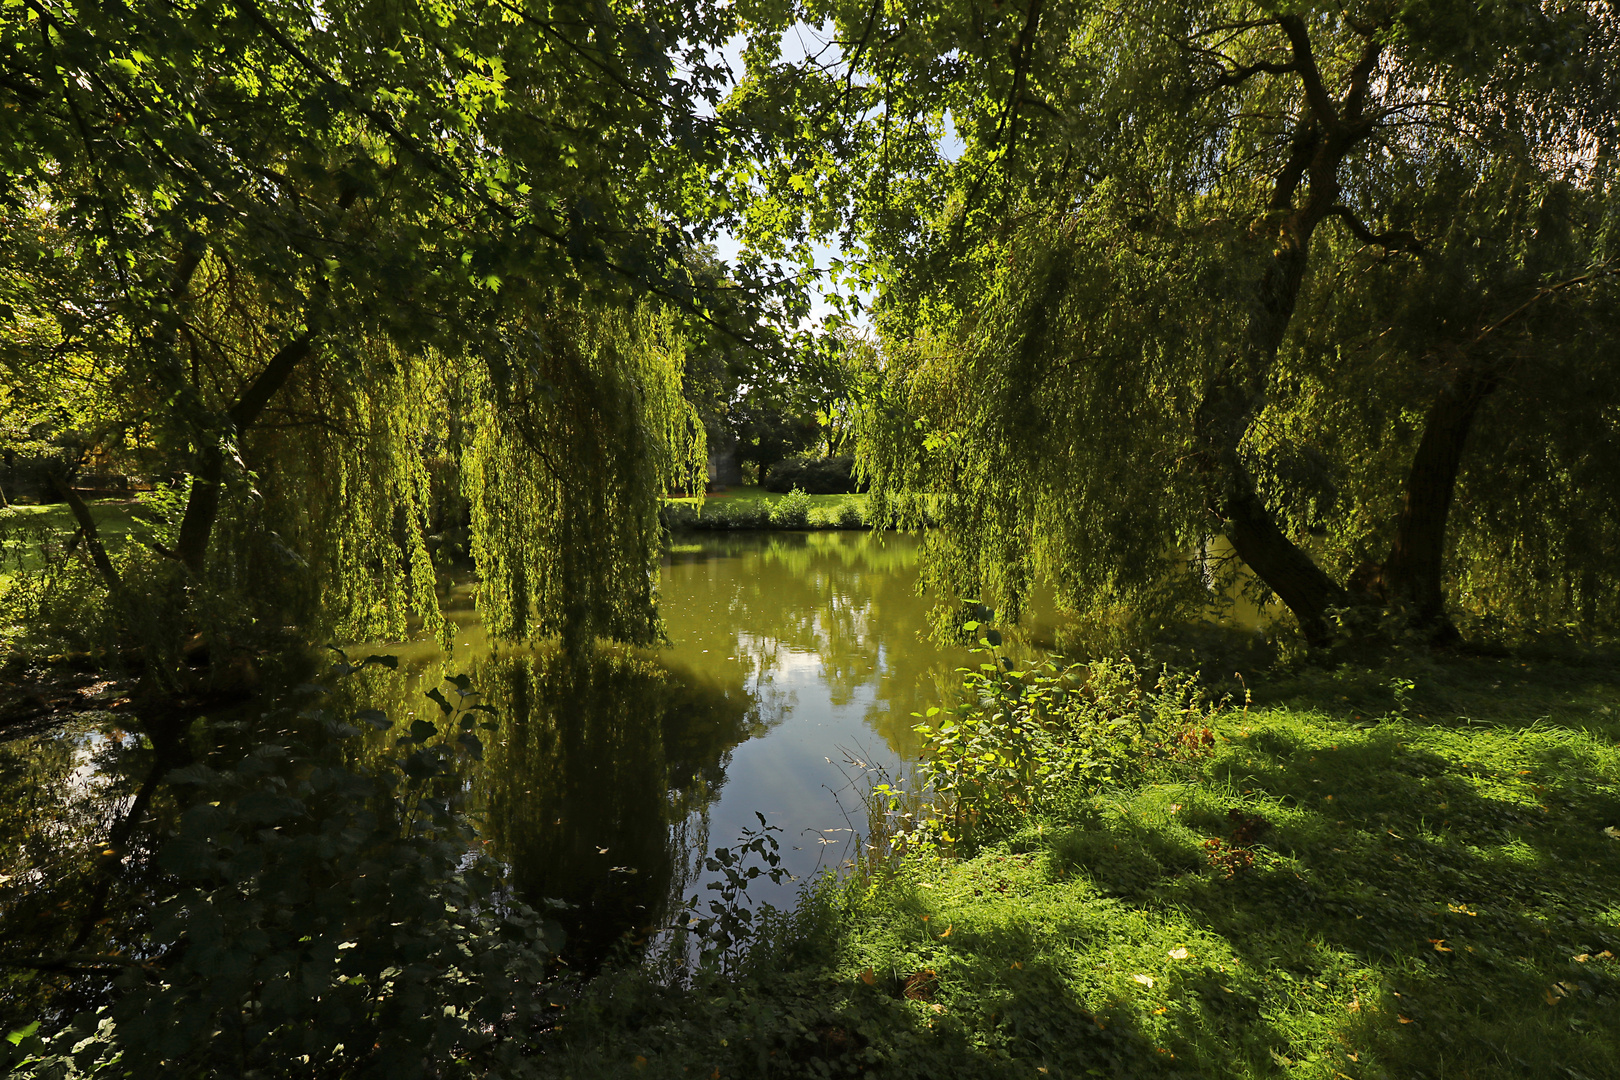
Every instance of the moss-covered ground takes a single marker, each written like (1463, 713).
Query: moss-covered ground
(1411, 871)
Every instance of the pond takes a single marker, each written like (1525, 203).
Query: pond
(795, 663)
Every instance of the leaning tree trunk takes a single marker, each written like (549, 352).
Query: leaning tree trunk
(1412, 575)
(202, 508)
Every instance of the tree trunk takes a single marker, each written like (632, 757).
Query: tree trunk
(1223, 419)
(1412, 573)
(92, 536)
(1287, 570)
(202, 508)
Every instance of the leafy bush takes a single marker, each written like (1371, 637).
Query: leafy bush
(1022, 736)
(326, 919)
(849, 516)
(792, 511)
(819, 476)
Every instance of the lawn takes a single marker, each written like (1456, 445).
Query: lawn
(23, 527)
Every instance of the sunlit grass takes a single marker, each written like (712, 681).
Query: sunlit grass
(22, 527)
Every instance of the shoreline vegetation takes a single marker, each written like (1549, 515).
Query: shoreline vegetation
(748, 507)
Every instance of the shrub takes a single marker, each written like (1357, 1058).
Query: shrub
(819, 476)
(849, 516)
(1022, 736)
(791, 511)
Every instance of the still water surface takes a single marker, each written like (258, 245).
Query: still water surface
(796, 661)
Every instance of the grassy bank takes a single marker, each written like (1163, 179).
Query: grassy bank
(1393, 873)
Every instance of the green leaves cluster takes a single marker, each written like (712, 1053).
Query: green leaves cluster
(1023, 737)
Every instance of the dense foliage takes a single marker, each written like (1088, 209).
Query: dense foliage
(290, 255)
(1334, 283)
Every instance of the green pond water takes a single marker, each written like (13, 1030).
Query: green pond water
(795, 665)
(796, 661)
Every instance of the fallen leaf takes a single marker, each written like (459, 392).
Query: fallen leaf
(948, 930)
(1018, 965)
(1553, 996)
(1402, 1019)
(1178, 953)
(1581, 959)
(1612, 833)
(1439, 944)
(1145, 980)
(641, 1062)
(868, 976)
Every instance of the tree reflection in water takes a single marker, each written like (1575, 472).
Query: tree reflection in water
(595, 788)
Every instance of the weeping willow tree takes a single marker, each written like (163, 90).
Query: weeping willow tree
(305, 249)
(565, 435)
(576, 436)
(1334, 283)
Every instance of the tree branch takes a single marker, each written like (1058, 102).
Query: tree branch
(1392, 241)
(1305, 63)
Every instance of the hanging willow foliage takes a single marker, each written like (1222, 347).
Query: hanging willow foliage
(566, 433)
(578, 428)
(1045, 427)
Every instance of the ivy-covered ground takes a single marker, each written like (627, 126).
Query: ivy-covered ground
(1412, 871)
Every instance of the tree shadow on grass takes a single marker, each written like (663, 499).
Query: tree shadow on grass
(1404, 899)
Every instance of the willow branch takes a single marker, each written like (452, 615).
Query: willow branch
(1392, 241)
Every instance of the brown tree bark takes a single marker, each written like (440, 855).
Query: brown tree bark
(1326, 132)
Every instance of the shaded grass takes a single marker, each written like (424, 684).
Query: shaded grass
(1338, 890)
(21, 528)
